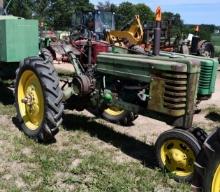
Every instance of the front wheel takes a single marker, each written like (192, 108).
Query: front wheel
(38, 99)
(117, 115)
(176, 151)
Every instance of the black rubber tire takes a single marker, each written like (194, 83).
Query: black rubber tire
(177, 134)
(125, 118)
(206, 164)
(207, 50)
(46, 55)
(199, 134)
(53, 106)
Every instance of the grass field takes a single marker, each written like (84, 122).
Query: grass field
(215, 39)
(87, 156)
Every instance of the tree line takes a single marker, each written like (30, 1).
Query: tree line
(57, 14)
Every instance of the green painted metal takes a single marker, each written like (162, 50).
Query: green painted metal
(172, 82)
(116, 49)
(208, 71)
(18, 38)
(139, 67)
(190, 66)
(107, 96)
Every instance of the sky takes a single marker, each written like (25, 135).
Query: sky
(191, 11)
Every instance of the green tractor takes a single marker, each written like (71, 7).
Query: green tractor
(164, 87)
(159, 86)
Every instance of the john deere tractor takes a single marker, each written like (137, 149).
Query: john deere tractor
(161, 87)
(164, 87)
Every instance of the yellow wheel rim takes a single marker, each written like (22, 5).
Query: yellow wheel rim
(216, 180)
(177, 157)
(114, 111)
(30, 100)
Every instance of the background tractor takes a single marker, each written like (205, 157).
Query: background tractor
(138, 35)
(98, 21)
(194, 45)
(85, 44)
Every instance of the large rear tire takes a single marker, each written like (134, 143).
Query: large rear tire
(176, 152)
(46, 55)
(38, 99)
(207, 49)
(207, 166)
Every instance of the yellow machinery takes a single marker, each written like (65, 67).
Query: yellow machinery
(133, 35)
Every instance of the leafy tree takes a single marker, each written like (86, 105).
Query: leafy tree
(177, 22)
(61, 11)
(125, 13)
(56, 13)
(107, 6)
(206, 31)
(41, 9)
(20, 8)
(144, 11)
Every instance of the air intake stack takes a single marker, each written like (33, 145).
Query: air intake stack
(157, 32)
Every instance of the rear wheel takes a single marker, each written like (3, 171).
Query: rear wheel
(46, 55)
(176, 151)
(38, 99)
(207, 50)
(117, 115)
(207, 166)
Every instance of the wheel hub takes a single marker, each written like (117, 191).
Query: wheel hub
(31, 100)
(177, 157)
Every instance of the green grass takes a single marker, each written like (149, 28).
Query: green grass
(215, 39)
(7, 110)
(49, 167)
(88, 156)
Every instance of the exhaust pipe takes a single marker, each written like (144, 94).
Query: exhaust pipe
(157, 32)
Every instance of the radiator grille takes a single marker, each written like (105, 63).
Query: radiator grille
(205, 78)
(175, 92)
